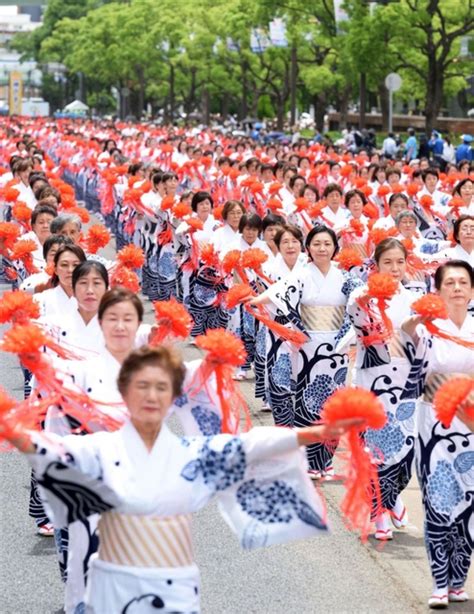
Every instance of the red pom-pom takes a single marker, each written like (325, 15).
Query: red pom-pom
(302, 204)
(167, 203)
(256, 187)
(383, 190)
(354, 403)
(18, 307)
(413, 189)
(97, 237)
(122, 276)
(431, 307)
(180, 210)
(349, 257)
(222, 347)
(237, 294)
(172, 320)
(274, 188)
(21, 212)
(357, 226)
(274, 204)
(231, 261)
(194, 224)
(361, 481)
(371, 211)
(426, 201)
(376, 235)
(10, 194)
(208, 256)
(381, 286)
(450, 396)
(253, 258)
(9, 234)
(456, 203)
(397, 188)
(131, 257)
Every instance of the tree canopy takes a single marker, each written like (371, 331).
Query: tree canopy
(202, 55)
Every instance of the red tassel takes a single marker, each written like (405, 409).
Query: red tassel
(225, 352)
(361, 480)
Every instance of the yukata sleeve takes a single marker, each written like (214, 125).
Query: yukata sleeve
(70, 477)
(262, 487)
(417, 353)
(373, 354)
(198, 408)
(346, 333)
(285, 298)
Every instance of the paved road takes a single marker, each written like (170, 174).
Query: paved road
(334, 575)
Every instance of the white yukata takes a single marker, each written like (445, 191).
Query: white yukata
(456, 253)
(315, 304)
(223, 236)
(198, 411)
(145, 499)
(444, 455)
(382, 368)
(279, 392)
(55, 302)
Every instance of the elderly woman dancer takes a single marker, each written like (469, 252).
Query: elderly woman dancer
(146, 482)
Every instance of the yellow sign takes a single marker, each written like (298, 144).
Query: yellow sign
(15, 93)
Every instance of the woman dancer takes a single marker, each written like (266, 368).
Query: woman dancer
(444, 455)
(382, 367)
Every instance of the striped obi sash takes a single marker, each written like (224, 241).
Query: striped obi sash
(435, 380)
(145, 541)
(358, 247)
(322, 318)
(395, 346)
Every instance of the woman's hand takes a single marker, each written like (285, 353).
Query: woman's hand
(410, 324)
(324, 432)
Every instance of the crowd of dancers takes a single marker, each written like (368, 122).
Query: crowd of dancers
(314, 260)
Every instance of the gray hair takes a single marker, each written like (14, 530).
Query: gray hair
(59, 222)
(404, 214)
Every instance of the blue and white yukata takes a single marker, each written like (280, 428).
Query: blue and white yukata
(383, 369)
(315, 304)
(279, 384)
(145, 500)
(444, 455)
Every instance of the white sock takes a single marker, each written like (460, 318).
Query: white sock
(382, 523)
(398, 507)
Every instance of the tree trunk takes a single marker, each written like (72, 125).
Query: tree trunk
(244, 100)
(172, 97)
(224, 106)
(293, 75)
(363, 99)
(434, 94)
(141, 91)
(280, 107)
(344, 106)
(319, 102)
(205, 106)
(384, 102)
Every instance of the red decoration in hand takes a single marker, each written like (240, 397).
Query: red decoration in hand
(18, 307)
(450, 396)
(97, 237)
(361, 481)
(172, 322)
